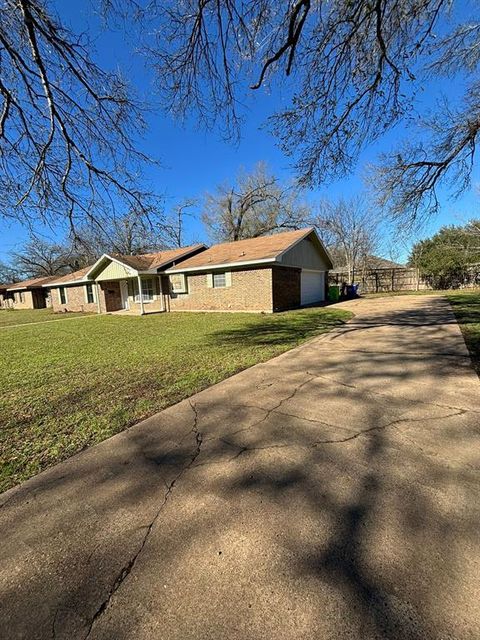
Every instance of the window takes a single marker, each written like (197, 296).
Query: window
(21, 297)
(89, 293)
(219, 280)
(62, 294)
(178, 282)
(147, 290)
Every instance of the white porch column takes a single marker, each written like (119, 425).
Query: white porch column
(162, 298)
(139, 280)
(97, 287)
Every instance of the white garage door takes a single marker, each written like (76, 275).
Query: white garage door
(312, 286)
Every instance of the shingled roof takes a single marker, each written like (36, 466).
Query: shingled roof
(251, 251)
(71, 278)
(31, 283)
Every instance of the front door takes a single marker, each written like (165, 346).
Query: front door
(124, 292)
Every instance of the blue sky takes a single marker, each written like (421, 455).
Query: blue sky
(194, 161)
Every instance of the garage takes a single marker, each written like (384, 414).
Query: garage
(312, 286)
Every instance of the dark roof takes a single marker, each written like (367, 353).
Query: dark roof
(264, 248)
(149, 261)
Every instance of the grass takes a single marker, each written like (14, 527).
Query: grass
(466, 307)
(68, 385)
(10, 317)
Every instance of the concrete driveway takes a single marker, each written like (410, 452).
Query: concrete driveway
(330, 493)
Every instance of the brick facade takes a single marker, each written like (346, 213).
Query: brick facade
(32, 299)
(250, 290)
(76, 300)
(286, 283)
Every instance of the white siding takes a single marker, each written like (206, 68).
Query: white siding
(307, 254)
(115, 271)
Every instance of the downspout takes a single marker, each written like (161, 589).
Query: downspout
(139, 280)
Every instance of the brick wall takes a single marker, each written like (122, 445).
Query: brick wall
(286, 288)
(250, 290)
(76, 300)
(27, 300)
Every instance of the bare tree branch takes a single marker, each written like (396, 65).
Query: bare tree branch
(66, 125)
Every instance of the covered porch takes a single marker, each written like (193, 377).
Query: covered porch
(122, 288)
(139, 295)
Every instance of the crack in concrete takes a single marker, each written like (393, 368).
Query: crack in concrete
(268, 412)
(129, 566)
(388, 396)
(382, 427)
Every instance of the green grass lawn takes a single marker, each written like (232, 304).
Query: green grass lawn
(68, 385)
(9, 317)
(466, 306)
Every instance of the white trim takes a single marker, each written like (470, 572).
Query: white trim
(225, 265)
(108, 257)
(78, 283)
(60, 297)
(97, 287)
(183, 288)
(86, 284)
(139, 282)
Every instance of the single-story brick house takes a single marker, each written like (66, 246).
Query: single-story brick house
(30, 294)
(270, 273)
(114, 281)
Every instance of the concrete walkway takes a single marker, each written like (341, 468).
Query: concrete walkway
(331, 493)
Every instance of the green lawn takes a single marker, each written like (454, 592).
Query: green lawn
(9, 317)
(68, 385)
(466, 306)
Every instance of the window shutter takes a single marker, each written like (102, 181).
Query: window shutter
(209, 280)
(228, 278)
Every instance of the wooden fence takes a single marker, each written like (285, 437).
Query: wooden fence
(405, 279)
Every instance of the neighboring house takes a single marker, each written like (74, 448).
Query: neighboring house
(269, 273)
(6, 299)
(113, 283)
(30, 294)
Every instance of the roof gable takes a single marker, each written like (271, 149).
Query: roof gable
(146, 262)
(264, 249)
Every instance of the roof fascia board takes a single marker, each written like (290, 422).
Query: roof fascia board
(225, 265)
(112, 259)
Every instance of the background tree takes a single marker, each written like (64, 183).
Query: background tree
(133, 233)
(41, 258)
(448, 254)
(355, 69)
(350, 231)
(174, 226)
(66, 125)
(9, 274)
(257, 204)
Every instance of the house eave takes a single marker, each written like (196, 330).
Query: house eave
(225, 265)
